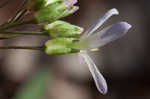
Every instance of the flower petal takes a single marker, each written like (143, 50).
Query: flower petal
(97, 76)
(69, 3)
(107, 35)
(81, 59)
(69, 11)
(100, 22)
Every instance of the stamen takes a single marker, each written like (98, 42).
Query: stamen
(94, 49)
(100, 22)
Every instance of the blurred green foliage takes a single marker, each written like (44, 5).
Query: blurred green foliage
(35, 87)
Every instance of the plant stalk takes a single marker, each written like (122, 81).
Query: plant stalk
(40, 48)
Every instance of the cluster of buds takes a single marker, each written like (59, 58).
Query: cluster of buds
(47, 14)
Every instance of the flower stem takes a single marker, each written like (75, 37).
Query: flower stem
(24, 33)
(8, 37)
(20, 12)
(18, 16)
(17, 24)
(40, 48)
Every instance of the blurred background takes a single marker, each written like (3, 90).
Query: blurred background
(124, 62)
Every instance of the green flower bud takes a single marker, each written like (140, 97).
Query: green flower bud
(61, 46)
(55, 11)
(35, 5)
(63, 29)
(50, 13)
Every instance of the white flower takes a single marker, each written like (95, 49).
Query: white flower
(91, 40)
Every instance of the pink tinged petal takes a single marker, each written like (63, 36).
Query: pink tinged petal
(107, 35)
(81, 30)
(74, 9)
(81, 59)
(100, 22)
(69, 3)
(69, 11)
(97, 76)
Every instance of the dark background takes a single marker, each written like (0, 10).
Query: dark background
(124, 62)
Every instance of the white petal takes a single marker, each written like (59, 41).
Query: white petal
(107, 35)
(81, 59)
(69, 11)
(100, 22)
(97, 76)
(69, 3)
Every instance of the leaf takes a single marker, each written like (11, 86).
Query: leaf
(35, 87)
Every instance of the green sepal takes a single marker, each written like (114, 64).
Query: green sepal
(35, 5)
(62, 29)
(36, 86)
(60, 46)
(50, 13)
(52, 1)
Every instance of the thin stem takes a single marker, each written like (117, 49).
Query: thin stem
(20, 12)
(25, 33)
(8, 37)
(40, 48)
(17, 16)
(17, 24)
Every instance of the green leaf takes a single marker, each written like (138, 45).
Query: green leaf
(35, 87)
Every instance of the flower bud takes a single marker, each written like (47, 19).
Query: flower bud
(63, 29)
(50, 13)
(35, 5)
(60, 46)
(55, 11)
